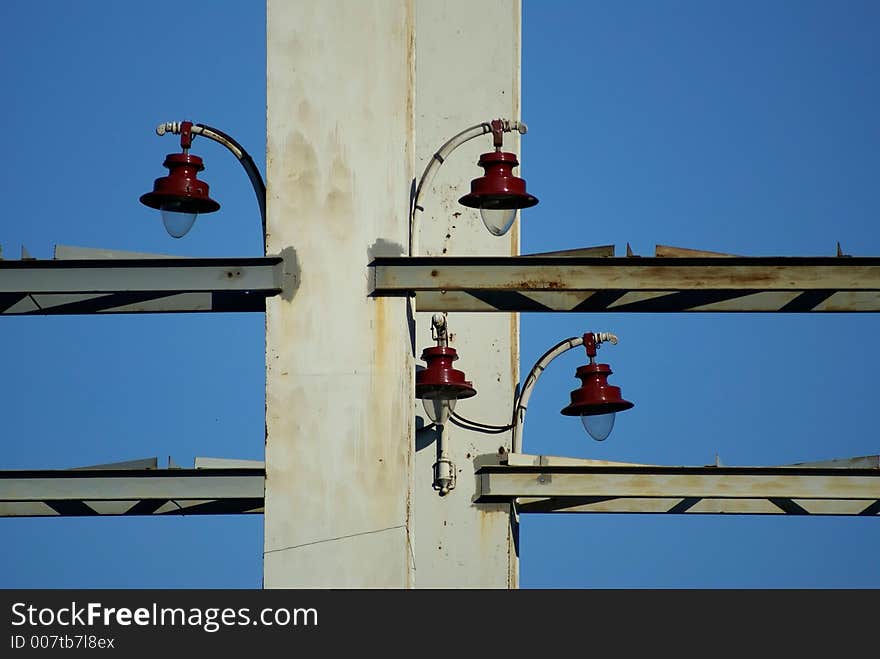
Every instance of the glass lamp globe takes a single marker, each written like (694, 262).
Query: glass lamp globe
(598, 426)
(498, 220)
(439, 409)
(177, 224)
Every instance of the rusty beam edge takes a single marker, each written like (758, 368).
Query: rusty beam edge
(488, 470)
(613, 483)
(157, 277)
(160, 263)
(639, 277)
(620, 261)
(124, 485)
(80, 473)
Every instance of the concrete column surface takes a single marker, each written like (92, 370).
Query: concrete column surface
(339, 367)
(360, 95)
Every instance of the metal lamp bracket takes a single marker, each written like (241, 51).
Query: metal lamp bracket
(444, 475)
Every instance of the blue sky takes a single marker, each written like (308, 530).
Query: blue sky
(746, 127)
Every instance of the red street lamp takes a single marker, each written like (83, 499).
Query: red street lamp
(439, 386)
(595, 401)
(181, 196)
(498, 193)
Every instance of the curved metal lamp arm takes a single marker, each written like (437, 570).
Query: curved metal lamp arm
(440, 156)
(522, 401)
(238, 151)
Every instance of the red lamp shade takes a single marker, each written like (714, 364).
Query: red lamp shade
(181, 191)
(595, 396)
(498, 188)
(439, 380)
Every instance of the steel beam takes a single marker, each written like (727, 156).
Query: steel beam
(567, 486)
(138, 285)
(539, 485)
(633, 284)
(106, 491)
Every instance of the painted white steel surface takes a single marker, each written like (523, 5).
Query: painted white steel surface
(59, 277)
(467, 71)
(644, 482)
(645, 275)
(146, 485)
(339, 368)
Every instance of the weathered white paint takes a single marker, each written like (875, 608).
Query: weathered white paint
(339, 390)
(467, 71)
(701, 483)
(360, 94)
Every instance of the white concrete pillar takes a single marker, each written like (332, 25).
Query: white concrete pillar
(339, 390)
(360, 94)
